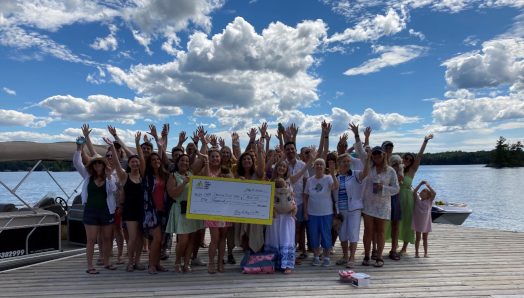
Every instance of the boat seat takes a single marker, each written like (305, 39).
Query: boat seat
(77, 200)
(6, 207)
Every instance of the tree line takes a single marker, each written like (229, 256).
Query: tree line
(507, 154)
(55, 166)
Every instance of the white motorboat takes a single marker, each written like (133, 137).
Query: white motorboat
(449, 212)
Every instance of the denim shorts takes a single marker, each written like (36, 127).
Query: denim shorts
(98, 217)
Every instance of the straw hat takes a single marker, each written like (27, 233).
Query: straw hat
(97, 157)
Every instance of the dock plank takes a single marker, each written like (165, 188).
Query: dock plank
(465, 262)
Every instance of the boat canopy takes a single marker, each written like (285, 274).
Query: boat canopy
(60, 151)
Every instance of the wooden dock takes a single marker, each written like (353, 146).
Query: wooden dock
(465, 262)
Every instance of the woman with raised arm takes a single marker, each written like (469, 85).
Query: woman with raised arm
(411, 164)
(131, 206)
(156, 205)
(379, 186)
(251, 236)
(177, 188)
(280, 236)
(217, 229)
(97, 195)
(349, 205)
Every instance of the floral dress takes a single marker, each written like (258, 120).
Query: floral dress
(379, 204)
(178, 223)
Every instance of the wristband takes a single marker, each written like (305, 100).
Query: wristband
(425, 141)
(252, 142)
(357, 136)
(115, 135)
(263, 137)
(327, 137)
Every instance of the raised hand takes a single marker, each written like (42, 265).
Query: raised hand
(108, 170)
(108, 141)
(263, 129)
(221, 142)
(152, 131)
(343, 139)
(202, 134)
(138, 136)
(279, 134)
(277, 149)
(288, 132)
(195, 138)
(236, 139)
(252, 134)
(213, 141)
(294, 129)
(204, 156)
(331, 167)
(201, 129)
(260, 145)
(354, 128)
(268, 137)
(368, 151)
(146, 139)
(80, 146)
(160, 143)
(427, 138)
(86, 131)
(326, 129)
(182, 137)
(367, 131)
(112, 130)
(207, 138)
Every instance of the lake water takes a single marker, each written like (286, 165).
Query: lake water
(495, 195)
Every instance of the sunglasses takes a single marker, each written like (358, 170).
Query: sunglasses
(388, 147)
(408, 159)
(307, 152)
(376, 153)
(109, 155)
(97, 162)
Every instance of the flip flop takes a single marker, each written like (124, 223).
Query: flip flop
(302, 256)
(350, 265)
(203, 245)
(341, 262)
(164, 256)
(120, 261)
(288, 271)
(100, 262)
(161, 269)
(374, 255)
(394, 256)
(110, 267)
(377, 261)
(92, 271)
(366, 259)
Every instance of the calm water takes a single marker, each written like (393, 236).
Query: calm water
(495, 195)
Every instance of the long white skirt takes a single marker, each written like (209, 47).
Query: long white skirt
(280, 238)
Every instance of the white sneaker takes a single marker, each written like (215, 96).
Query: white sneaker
(198, 262)
(333, 250)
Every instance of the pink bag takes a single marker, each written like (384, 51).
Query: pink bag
(262, 263)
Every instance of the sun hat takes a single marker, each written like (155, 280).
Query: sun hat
(385, 143)
(377, 148)
(97, 157)
(117, 144)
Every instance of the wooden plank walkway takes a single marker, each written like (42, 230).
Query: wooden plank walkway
(465, 262)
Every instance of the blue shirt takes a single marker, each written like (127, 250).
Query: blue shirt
(342, 193)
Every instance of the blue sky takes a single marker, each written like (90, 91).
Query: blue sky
(406, 68)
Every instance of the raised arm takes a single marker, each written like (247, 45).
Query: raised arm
(205, 169)
(260, 158)
(336, 184)
(77, 160)
(362, 155)
(367, 133)
(342, 144)
(433, 192)
(280, 137)
(294, 132)
(252, 134)
(322, 138)
(268, 138)
(416, 163)
(235, 145)
(86, 131)
(326, 130)
(181, 139)
(112, 131)
(122, 175)
(293, 179)
(363, 174)
(140, 154)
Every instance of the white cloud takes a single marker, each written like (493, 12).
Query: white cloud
(371, 29)
(212, 125)
(471, 40)
(9, 91)
(390, 56)
(143, 39)
(417, 34)
(500, 63)
(32, 136)
(463, 113)
(108, 42)
(105, 108)
(338, 94)
(9, 118)
(236, 75)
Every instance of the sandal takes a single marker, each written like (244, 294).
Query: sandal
(139, 267)
(178, 268)
(152, 271)
(188, 269)
(288, 271)
(130, 268)
(379, 261)
(161, 269)
(120, 261)
(92, 271)
(394, 256)
(164, 256)
(100, 262)
(211, 268)
(302, 256)
(350, 265)
(110, 267)
(402, 253)
(341, 262)
(204, 245)
(221, 268)
(366, 259)
(374, 255)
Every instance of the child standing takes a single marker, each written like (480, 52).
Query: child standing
(421, 222)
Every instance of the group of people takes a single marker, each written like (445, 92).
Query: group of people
(143, 196)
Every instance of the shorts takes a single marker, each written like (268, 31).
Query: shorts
(396, 208)
(118, 219)
(320, 226)
(350, 228)
(98, 217)
(300, 213)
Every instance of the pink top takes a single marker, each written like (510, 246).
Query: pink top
(158, 194)
(421, 215)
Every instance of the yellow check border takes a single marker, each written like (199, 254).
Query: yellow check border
(268, 221)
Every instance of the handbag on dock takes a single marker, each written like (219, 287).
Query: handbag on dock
(258, 263)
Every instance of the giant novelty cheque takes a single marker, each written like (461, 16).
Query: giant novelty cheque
(230, 200)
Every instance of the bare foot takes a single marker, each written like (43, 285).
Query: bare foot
(426, 256)
(417, 256)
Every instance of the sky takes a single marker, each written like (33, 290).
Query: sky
(406, 68)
